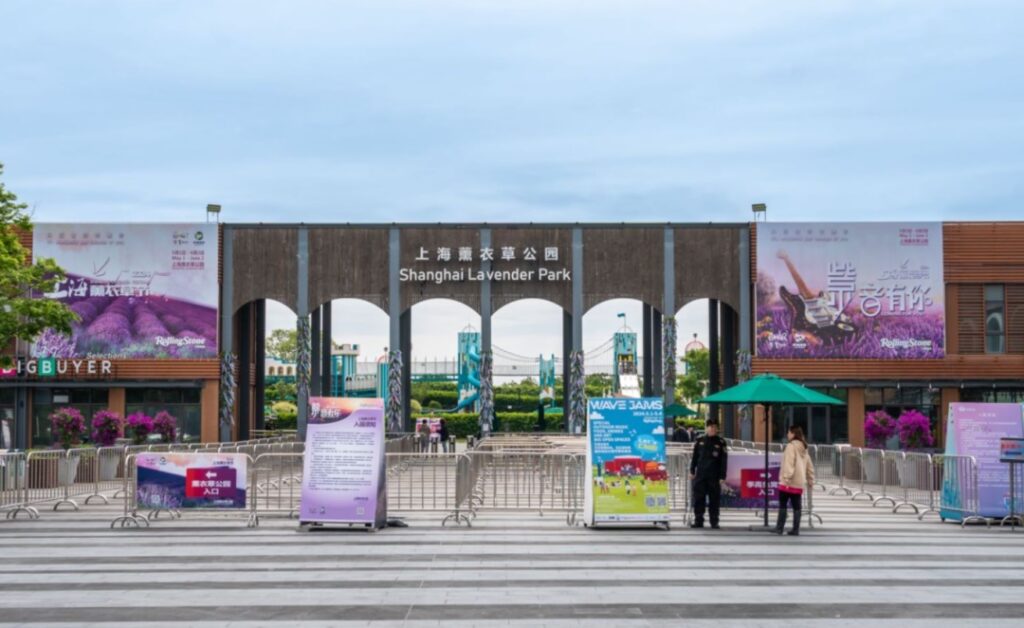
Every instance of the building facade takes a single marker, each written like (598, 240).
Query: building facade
(972, 312)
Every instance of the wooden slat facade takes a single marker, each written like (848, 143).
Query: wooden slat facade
(970, 307)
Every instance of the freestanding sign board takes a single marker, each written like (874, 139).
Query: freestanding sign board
(975, 429)
(627, 480)
(343, 479)
(1011, 450)
(744, 481)
(174, 481)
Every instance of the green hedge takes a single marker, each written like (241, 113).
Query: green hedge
(462, 424)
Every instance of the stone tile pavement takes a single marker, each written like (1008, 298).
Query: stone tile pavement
(864, 567)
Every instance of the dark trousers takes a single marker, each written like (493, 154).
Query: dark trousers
(706, 490)
(797, 502)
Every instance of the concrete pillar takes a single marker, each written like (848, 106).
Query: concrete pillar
(648, 352)
(227, 334)
(566, 352)
(405, 344)
(668, 303)
(714, 383)
(729, 326)
(326, 347)
(855, 415)
(315, 363)
(245, 356)
(657, 356)
(302, 310)
(261, 359)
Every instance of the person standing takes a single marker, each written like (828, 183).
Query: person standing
(796, 474)
(443, 429)
(708, 465)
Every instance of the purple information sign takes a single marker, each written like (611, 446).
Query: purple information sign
(343, 472)
(975, 429)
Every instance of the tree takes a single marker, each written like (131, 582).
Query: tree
(697, 373)
(283, 344)
(22, 316)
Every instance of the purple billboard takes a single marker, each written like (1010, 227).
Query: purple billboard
(343, 470)
(139, 290)
(850, 290)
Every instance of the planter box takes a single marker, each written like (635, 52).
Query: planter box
(53, 472)
(12, 476)
(109, 466)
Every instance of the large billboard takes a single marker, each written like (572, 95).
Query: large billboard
(140, 290)
(343, 479)
(627, 479)
(850, 290)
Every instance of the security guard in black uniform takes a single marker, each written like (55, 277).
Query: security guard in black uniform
(707, 471)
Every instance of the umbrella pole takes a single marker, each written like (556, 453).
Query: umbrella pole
(767, 436)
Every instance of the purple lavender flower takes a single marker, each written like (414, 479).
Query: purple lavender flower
(54, 344)
(141, 426)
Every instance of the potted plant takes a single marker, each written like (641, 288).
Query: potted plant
(67, 425)
(166, 426)
(879, 426)
(914, 430)
(141, 426)
(107, 428)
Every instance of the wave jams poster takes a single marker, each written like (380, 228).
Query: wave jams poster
(850, 290)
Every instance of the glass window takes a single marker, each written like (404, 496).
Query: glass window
(7, 396)
(995, 327)
(45, 401)
(181, 403)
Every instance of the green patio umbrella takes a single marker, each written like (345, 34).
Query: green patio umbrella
(769, 390)
(679, 410)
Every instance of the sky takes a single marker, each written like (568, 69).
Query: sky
(457, 111)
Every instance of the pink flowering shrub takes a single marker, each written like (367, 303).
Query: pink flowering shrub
(107, 427)
(914, 430)
(878, 428)
(166, 426)
(67, 425)
(141, 425)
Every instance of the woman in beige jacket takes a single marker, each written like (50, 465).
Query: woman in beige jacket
(796, 474)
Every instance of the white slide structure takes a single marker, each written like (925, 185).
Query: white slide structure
(629, 386)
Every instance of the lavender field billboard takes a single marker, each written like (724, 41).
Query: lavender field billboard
(139, 290)
(850, 290)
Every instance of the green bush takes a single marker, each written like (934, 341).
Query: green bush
(415, 407)
(463, 424)
(285, 410)
(433, 405)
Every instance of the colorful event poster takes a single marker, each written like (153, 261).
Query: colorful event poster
(343, 479)
(175, 481)
(627, 480)
(975, 429)
(850, 290)
(744, 480)
(139, 290)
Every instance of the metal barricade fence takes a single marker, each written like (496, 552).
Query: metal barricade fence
(826, 470)
(418, 482)
(525, 480)
(853, 471)
(960, 489)
(275, 486)
(678, 467)
(890, 463)
(13, 473)
(49, 475)
(916, 484)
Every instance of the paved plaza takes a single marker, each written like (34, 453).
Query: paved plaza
(864, 566)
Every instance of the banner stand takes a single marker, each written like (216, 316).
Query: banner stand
(627, 479)
(343, 475)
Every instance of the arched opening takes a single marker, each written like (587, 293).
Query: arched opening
(707, 348)
(351, 337)
(443, 363)
(273, 403)
(528, 351)
(621, 343)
